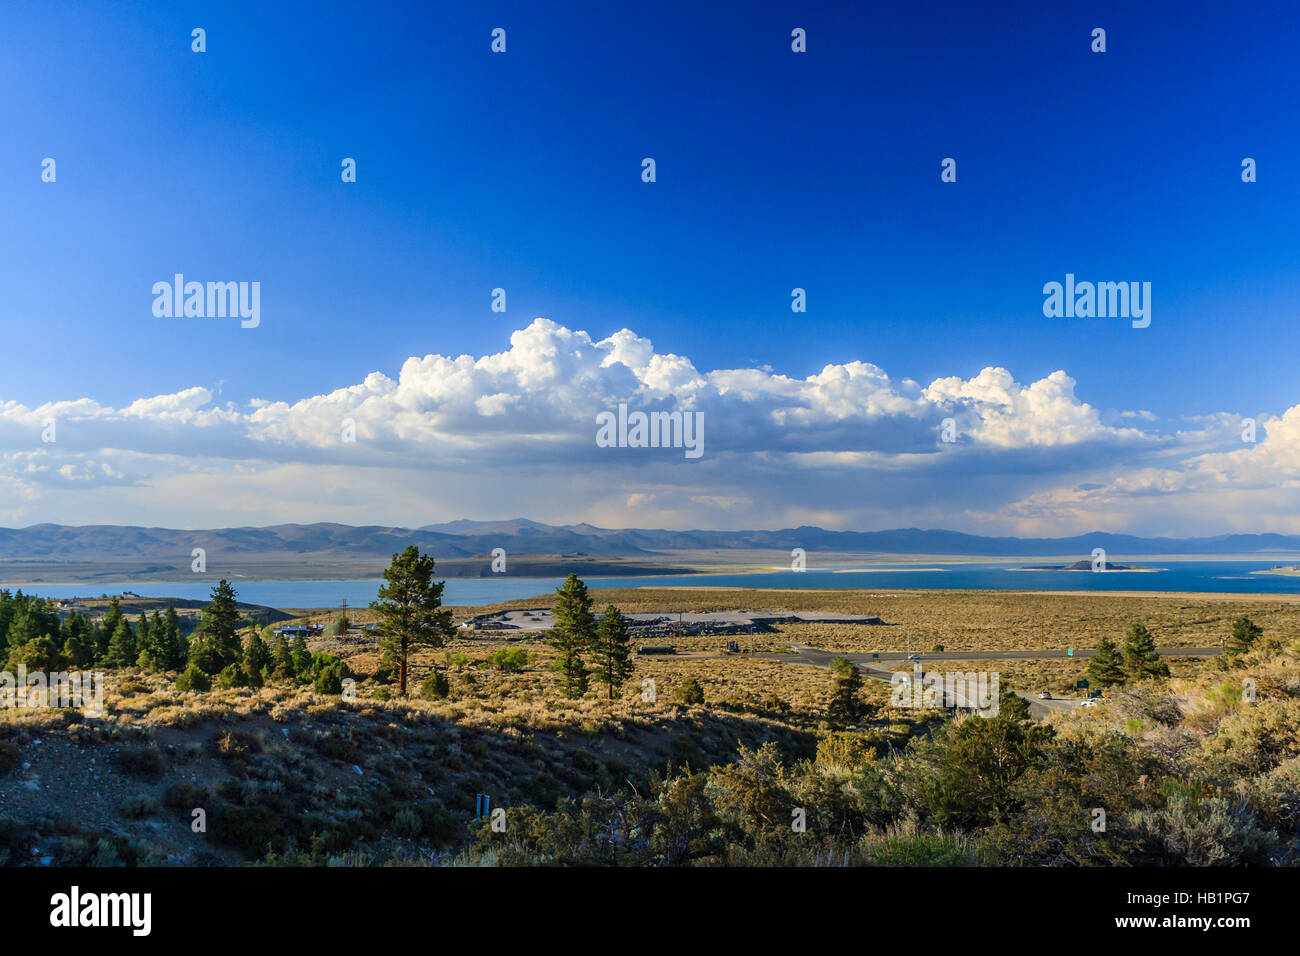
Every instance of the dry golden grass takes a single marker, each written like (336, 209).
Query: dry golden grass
(795, 693)
(1032, 676)
(965, 620)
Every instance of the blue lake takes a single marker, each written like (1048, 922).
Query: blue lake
(1231, 577)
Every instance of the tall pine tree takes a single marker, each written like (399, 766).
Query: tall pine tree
(216, 641)
(573, 633)
(160, 652)
(410, 609)
(107, 627)
(282, 660)
(122, 651)
(146, 639)
(178, 647)
(613, 651)
(302, 661)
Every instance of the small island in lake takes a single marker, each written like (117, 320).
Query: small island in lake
(1084, 565)
(1290, 569)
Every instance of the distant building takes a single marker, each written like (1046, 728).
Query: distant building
(299, 630)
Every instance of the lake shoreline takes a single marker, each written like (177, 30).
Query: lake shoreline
(863, 581)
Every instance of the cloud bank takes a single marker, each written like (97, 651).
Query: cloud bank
(513, 433)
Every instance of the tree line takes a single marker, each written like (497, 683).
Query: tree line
(36, 638)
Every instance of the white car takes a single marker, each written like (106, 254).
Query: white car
(1090, 702)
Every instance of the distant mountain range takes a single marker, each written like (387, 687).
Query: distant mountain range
(637, 541)
(465, 539)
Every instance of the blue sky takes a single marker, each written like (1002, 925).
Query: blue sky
(775, 170)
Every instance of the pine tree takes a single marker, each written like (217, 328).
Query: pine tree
(216, 641)
(98, 640)
(410, 608)
(144, 658)
(108, 626)
(33, 619)
(38, 654)
(1140, 658)
(78, 652)
(232, 675)
(1244, 634)
(256, 656)
(845, 707)
(613, 650)
(178, 647)
(162, 651)
(7, 608)
(282, 660)
(122, 651)
(1106, 668)
(329, 679)
(151, 636)
(573, 633)
(192, 678)
(78, 644)
(301, 656)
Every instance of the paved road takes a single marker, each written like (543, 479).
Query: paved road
(820, 658)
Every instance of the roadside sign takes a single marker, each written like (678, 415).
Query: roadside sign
(1081, 685)
(875, 657)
